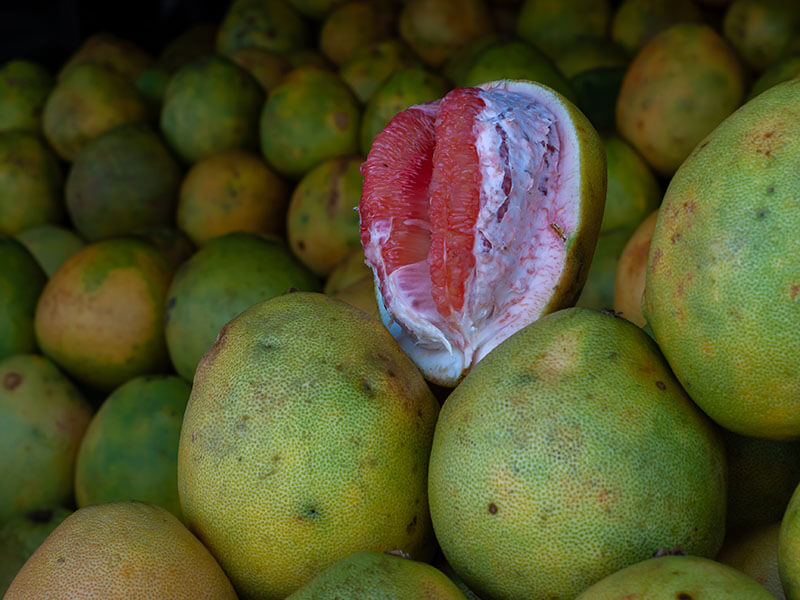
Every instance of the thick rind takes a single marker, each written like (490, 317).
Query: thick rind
(580, 146)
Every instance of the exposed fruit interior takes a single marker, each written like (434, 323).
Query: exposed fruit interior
(463, 219)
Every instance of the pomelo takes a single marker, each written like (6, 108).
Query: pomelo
(479, 213)
(121, 550)
(677, 578)
(231, 191)
(636, 22)
(780, 71)
(268, 68)
(118, 54)
(226, 276)
(755, 553)
(50, 245)
(555, 25)
(763, 31)
(130, 449)
(100, 316)
(370, 66)
(43, 417)
(352, 26)
(269, 24)
(723, 288)
(321, 223)
(569, 452)
(306, 439)
(24, 87)
(629, 280)
(379, 576)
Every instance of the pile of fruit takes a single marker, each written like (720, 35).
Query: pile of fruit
(354, 299)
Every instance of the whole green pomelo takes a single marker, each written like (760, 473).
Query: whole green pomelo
(722, 292)
(211, 105)
(370, 66)
(31, 183)
(122, 182)
(43, 417)
(555, 25)
(515, 59)
(403, 88)
(20, 536)
(677, 89)
(50, 245)
(677, 578)
(88, 100)
(116, 53)
(130, 449)
(569, 452)
(227, 275)
(310, 117)
(763, 31)
(321, 225)
(379, 575)
(437, 29)
(24, 87)
(636, 22)
(269, 24)
(21, 282)
(306, 439)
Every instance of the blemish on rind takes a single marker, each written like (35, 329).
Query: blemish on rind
(11, 380)
(492, 508)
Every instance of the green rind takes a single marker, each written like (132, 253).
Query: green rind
(21, 282)
(722, 287)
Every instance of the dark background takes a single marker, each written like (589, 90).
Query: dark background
(48, 31)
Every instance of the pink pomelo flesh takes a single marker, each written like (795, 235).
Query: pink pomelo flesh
(467, 213)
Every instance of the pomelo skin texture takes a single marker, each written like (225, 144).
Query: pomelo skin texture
(568, 453)
(677, 578)
(42, 420)
(121, 550)
(480, 213)
(306, 438)
(722, 291)
(379, 576)
(755, 553)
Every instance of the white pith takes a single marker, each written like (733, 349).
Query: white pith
(513, 280)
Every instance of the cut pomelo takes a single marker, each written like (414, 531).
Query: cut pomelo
(479, 214)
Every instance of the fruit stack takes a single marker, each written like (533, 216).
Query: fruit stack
(351, 299)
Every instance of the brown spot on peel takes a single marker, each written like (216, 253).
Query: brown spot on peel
(11, 380)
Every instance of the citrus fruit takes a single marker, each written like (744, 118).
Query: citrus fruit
(21, 535)
(678, 88)
(379, 576)
(88, 100)
(227, 275)
(21, 282)
(222, 96)
(269, 24)
(306, 439)
(480, 213)
(722, 295)
(679, 578)
(554, 25)
(636, 22)
(755, 553)
(130, 449)
(100, 316)
(30, 183)
(24, 87)
(568, 453)
(321, 225)
(309, 117)
(360, 294)
(437, 29)
(782, 70)
(371, 65)
(598, 291)
(267, 67)
(121, 550)
(231, 191)
(123, 181)
(349, 270)
(120, 55)
(350, 27)
(42, 419)
(762, 31)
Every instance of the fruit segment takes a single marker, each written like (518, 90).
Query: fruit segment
(468, 212)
